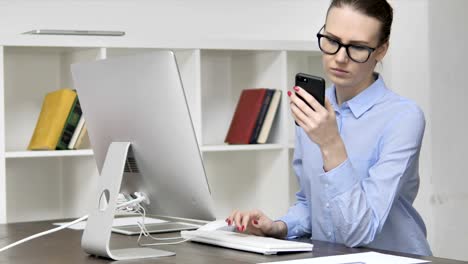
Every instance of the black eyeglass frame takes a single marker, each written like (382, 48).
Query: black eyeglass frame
(369, 49)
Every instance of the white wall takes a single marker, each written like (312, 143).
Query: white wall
(448, 41)
(406, 70)
(174, 19)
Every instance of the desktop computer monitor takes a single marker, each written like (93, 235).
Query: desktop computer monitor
(140, 100)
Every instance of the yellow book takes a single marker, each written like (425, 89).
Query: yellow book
(54, 113)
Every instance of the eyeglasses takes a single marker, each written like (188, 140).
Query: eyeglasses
(331, 46)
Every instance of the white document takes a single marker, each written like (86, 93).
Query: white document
(357, 258)
(121, 221)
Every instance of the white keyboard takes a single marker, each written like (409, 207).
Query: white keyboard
(241, 241)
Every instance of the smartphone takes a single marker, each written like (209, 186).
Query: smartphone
(314, 85)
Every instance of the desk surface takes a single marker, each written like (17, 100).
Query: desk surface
(65, 247)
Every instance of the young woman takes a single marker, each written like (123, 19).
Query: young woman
(356, 158)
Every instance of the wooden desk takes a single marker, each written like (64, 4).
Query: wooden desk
(65, 247)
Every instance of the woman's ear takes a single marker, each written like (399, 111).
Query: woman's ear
(381, 51)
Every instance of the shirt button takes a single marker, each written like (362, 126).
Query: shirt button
(329, 234)
(326, 185)
(327, 205)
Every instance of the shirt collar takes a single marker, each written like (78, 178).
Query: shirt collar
(362, 102)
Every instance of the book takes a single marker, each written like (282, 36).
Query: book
(245, 116)
(83, 140)
(70, 125)
(51, 121)
(261, 116)
(76, 133)
(269, 117)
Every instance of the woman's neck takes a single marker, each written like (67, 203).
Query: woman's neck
(344, 94)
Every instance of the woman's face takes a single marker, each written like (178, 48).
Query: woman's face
(352, 27)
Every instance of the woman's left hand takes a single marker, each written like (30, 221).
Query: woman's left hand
(318, 122)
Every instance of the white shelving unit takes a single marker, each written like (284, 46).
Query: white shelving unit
(57, 184)
(47, 154)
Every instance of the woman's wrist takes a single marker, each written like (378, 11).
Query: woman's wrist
(279, 230)
(333, 153)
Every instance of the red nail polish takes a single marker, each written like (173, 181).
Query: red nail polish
(289, 93)
(229, 222)
(255, 222)
(242, 228)
(296, 88)
(239, 229)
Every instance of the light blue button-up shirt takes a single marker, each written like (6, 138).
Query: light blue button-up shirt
(367, 200)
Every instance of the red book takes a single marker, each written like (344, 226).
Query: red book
(245, 116)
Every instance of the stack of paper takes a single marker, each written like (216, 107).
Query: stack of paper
(358, 258)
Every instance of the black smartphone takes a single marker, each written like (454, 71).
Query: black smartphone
(314, 85)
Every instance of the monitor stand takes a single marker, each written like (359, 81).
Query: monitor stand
(96, 236)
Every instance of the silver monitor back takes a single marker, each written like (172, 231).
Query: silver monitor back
(140, 99)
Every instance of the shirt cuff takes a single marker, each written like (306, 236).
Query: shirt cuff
(339, 179)
(292, 223)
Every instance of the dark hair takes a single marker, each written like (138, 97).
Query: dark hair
(378, 9)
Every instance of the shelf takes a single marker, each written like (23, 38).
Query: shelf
(250, 147)
(224, 74)
(213, 74)
(19, 40)
(53, 153)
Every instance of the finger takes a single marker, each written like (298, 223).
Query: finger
(258, 218)
(230, 219)
(307, 110)
(254, 217)
(328, 105)
(264, 224)
(309, 98)
(238, 220)
(233, 217)
(256, 214)
(254, 222)
(245, 222)
(298, 121)
(300, 117)
(291, 104)
(248, 219)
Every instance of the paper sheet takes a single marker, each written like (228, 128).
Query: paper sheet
(122, 221)
(358, 258)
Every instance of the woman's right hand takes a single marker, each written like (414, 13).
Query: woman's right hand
(257, 223)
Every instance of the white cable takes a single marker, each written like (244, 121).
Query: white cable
(135, 201)
(144, 231)
(123, 205)
(44, 233)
